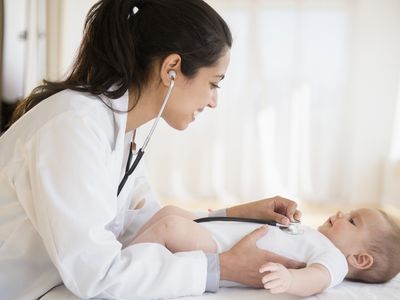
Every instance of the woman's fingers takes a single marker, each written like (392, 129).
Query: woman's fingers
(257, 233)
(297, 215)
(279, 218)
(283, 210)
(286, 206)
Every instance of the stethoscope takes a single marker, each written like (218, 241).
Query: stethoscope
(129, 169)
(294, 228)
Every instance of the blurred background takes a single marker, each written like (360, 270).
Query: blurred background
(309, 109)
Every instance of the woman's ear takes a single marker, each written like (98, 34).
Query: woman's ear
(171, 63)
(360, 261)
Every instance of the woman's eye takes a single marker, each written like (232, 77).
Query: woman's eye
(214, 86)
(351, 220)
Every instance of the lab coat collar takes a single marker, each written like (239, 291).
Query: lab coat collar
(120, 114)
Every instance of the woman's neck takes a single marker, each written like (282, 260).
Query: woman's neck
(146, 108)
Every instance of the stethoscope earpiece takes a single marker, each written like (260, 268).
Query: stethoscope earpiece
(172, 74)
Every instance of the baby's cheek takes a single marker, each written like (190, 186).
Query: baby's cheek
(344, 234)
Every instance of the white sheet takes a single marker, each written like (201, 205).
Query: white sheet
(345, 291)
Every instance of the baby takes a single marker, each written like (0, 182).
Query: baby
(363, 245)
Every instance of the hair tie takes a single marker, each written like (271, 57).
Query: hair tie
(136, 6)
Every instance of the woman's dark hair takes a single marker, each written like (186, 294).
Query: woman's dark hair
(124, 38)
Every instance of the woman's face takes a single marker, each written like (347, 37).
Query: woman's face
(190, 97)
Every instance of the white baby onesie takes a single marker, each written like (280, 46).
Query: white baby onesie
(310, 247)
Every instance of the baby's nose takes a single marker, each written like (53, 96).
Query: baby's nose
(339, 214)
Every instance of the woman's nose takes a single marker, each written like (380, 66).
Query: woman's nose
(212, 105)
(214, 101)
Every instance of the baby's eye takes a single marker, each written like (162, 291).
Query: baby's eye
(351, 220)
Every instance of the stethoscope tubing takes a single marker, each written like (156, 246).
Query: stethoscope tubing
(130, 169)
(235, 219)
(292, 228)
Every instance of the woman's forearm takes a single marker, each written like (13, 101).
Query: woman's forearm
(239, 211)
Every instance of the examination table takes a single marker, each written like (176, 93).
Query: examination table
(345, 291)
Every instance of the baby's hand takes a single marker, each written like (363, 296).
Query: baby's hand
(279, 278)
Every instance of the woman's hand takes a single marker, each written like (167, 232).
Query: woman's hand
(279, 209)
(243, 261)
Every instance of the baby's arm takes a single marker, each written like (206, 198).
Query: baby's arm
(304, 282)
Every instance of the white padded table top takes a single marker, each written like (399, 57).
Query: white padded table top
(345, 291)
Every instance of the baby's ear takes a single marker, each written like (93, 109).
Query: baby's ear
(360, 261)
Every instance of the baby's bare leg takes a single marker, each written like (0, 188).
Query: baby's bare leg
(166, 211)
(178, 234)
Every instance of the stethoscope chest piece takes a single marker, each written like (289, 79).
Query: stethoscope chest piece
(294, 228)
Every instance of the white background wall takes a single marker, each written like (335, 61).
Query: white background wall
(364, 163)
(14, 49)
(72, 20)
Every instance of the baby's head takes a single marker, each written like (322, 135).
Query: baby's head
(369, 239)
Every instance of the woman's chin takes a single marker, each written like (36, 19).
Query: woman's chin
(179, 125)
(182, 127)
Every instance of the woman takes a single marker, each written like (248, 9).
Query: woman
(65, 216)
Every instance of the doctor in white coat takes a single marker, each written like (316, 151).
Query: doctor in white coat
(63, 158)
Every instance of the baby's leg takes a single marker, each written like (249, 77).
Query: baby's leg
(178, 234)
(167, 210)
(175, 210)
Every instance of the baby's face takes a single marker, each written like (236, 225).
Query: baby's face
(350, 231)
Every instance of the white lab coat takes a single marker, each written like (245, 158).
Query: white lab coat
(60, 218)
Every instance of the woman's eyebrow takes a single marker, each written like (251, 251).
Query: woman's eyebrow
(222, 76)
